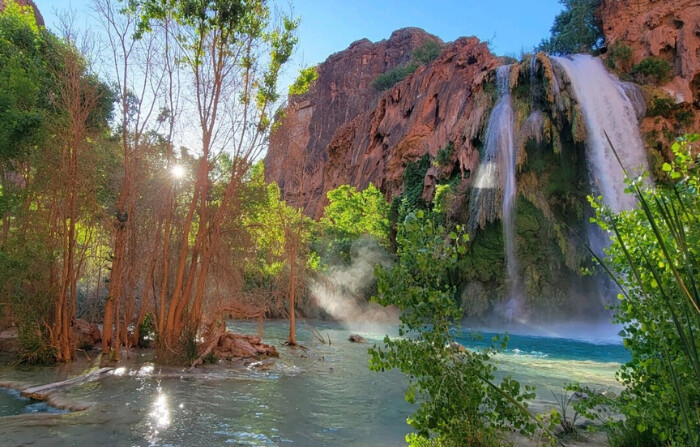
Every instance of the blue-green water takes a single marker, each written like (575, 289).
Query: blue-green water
(322, 396)
(12, 403)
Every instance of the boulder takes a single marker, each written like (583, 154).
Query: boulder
(238, 346)
(86, 334)
(356, 339)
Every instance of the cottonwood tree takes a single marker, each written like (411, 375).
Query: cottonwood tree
(138, 85)
(232, 56)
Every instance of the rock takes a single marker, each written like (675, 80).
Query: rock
(356, 339)
(8, 341)
(37, 15)
(349, 133)
(238, 346)
(669, 29)
(457, 347)
(86, 334)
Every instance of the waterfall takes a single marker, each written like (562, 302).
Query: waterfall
(495, 181)
(606, 109)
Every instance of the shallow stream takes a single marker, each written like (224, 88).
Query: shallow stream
(323, 396)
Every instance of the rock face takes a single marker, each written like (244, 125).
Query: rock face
(669, 29)
(348, 132)
(37, 14)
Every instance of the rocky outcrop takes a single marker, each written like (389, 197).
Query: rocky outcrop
(37, 15)
(348, 132)
(669, 29)
(237, 346)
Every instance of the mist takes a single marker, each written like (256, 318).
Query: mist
(343, 290)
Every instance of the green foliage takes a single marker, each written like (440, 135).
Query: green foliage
(427, 52)
(413, 178)
(422, 55)
(619, 58)
(458, 402)
(387, 80)
(654, 258)
(302, 83)
(147, 332)
(23, 89)
(23, 284)
(652, 70)
(485, 260)
(237, 27)
(661, 106)
(444, 155)
(575, 30)
(684, 117)
(351, 215)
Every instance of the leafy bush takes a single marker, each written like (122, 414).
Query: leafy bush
(413, 178)
(652, 70)
(427, 52)
(654, 258)
(475, 410)
(684, 117)
(575, 30)
(387, 80)
(661, 106)
(422, 55)
(301, 85)
(444, 155)
(619, 57)
(147, 332)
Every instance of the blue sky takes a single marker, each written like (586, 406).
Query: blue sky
(329, 26)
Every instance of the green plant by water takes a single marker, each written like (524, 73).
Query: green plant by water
(654, 258)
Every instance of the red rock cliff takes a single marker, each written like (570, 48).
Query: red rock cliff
(348, 132)
(669, 29)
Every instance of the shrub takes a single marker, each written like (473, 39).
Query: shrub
(476, 410)
(387, 80)
(661, 107)
(652, 70)
(444, 155)
(619, 57)
(684, 117)
(653, 258)
(413, 178)
(427, 52)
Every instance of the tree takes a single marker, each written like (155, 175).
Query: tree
(350, 215)
(459, 403)
(224, 46)
(138, 87)
(49, 178)
(654, 259)
(576, 29)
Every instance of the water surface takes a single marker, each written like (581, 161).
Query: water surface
(322, 396)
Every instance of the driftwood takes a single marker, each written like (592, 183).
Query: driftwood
(42, 392)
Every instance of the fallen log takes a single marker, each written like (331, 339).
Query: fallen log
(42, 392)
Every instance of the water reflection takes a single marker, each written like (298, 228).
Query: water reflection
(159, 417)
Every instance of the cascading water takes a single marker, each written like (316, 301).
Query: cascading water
(606, 109)
(497, 174)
